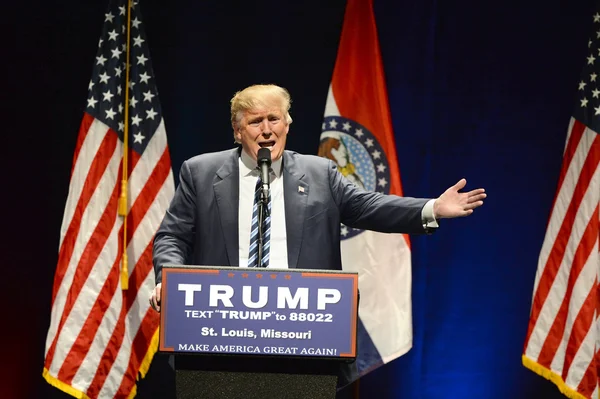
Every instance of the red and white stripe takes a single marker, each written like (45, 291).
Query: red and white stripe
(563, 337)
(100, 336)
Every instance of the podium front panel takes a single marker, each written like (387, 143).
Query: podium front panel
(273, 312)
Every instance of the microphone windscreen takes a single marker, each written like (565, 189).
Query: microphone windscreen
(264, 155)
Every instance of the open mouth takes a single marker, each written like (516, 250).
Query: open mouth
(267, 144)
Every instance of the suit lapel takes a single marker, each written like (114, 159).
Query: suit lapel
(295, 193)
(226, 188)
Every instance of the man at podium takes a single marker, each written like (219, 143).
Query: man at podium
(214, 217)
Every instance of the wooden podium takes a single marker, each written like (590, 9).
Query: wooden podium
(258, 333)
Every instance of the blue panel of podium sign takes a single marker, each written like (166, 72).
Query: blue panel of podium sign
(276, 312)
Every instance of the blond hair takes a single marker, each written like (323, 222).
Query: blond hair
(260, 97)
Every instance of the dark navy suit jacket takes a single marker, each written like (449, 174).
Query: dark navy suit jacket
(201, 225)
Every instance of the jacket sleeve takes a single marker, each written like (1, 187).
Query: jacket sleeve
(375, 211)
(174, 239)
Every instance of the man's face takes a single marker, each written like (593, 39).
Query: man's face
(263, 128)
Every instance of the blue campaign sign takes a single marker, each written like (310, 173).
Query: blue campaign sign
(258, 311)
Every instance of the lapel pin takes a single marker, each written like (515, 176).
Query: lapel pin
(300, 189)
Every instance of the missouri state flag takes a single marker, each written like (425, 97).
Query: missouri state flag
(357, 135)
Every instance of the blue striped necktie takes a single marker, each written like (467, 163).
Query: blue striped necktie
(253, 253)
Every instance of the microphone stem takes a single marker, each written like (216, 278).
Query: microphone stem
(263, 213)
(264, 197)
(263, 209)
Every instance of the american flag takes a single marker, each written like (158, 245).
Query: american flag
(102, 335)
(562, 342)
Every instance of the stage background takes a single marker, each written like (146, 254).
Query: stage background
(477, 89)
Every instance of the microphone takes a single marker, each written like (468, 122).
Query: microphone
(264, 164)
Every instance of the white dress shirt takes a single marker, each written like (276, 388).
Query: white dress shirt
(428, 217)
(248, 176)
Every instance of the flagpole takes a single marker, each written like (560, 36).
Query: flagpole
(123, 199)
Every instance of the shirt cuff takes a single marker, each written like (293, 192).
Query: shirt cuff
(428, 217)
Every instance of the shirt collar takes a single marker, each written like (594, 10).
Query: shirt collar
(249, 165)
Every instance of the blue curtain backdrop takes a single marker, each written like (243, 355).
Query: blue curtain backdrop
(477, 89)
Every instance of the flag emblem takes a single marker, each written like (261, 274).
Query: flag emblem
(358, 155)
